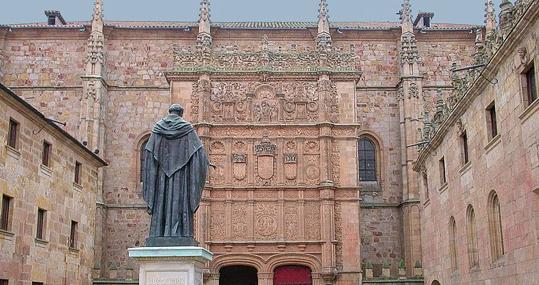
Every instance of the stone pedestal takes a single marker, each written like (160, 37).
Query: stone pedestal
(170, 265)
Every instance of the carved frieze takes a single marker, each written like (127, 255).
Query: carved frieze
(267, 102)
(266, 57)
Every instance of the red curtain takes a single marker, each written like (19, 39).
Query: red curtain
(292, 275)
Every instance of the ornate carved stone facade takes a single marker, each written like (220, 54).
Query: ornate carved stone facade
(280, 108)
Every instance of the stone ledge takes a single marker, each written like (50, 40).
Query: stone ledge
(13, 152)
(394, 281)
(114, 282)
(179, 252)
(493, 143)
(529, 111)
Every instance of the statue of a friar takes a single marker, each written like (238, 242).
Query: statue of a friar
(175, 169)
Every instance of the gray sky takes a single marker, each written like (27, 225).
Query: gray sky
(453, 11)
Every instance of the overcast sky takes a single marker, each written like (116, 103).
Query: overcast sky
(452, 11)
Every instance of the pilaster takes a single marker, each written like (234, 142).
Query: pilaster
(411, 110)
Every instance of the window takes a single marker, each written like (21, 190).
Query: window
(530, 87)
(492, 121)
(37, 283)
(426, 185)
(41, 220)
(443, 177)
(495, 227)
(142, 159)
(6, 209)
(78, 170)
(367, 160)
(73, 235)
(465, 149)
(46, 156)
(473, 254)
(453, 242)
(3, 282)
(13, 133)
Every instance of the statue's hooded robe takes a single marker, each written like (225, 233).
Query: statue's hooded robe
(175, 170)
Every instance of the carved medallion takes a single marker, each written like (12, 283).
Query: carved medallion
(266, 225)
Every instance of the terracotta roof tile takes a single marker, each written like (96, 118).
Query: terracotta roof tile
(245, 25)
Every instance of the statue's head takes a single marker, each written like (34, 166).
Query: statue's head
(176, 109)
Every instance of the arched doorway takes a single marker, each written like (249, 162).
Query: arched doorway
(238, 274)
(435, 282)
(292, 275)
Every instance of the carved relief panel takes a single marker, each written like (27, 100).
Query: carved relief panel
(268, 162)
(272, 102)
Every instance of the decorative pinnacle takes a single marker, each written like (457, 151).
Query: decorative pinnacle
(204, 20)
(406, 17)
(490, 18)
(98, 11)
(323, 17)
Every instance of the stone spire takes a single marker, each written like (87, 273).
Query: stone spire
(204, 39)
(323, 38)
(204, 20)
(323, 17)
(92, 128)
(96, 42)
(490, 18)
(406, 17)
(408, 51)
(506, 17)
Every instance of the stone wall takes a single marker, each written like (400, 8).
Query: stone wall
(506, 164)
(32, 186)
(138, 94)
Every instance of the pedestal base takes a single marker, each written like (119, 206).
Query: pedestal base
(170, 265)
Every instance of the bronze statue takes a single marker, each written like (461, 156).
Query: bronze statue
(175, 169)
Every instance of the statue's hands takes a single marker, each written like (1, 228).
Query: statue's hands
(212, 165)
(149, 210)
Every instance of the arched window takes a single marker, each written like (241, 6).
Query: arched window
(141, 157)
(495, 227)
(453, 243)
(473, 254)
(367, 160)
